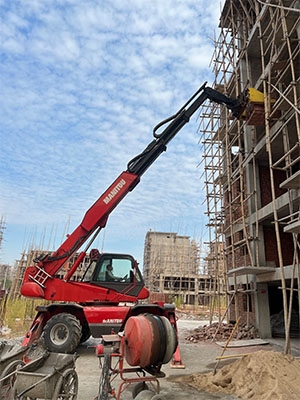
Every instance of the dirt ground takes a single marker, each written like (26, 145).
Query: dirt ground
(196, 380)
(264, 373)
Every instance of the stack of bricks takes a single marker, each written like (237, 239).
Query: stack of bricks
(221, 332)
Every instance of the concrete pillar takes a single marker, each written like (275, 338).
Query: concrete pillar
(262, 309)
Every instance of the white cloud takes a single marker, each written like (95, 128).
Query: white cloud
(83, 85)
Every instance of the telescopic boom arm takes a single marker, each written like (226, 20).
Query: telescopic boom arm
(142, 162)
(96, 217)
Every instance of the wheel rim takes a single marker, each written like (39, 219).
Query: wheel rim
(59, 334)
(68, 386)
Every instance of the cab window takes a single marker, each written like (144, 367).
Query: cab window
(114, 269)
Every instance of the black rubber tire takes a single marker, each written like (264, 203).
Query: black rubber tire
(158, 397)
(62, 333)
(85, 333)
(138, 388)
(145, 395)
(67, 386)
(104, 384)
(171, 342)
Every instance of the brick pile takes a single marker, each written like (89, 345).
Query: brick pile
(208, 332)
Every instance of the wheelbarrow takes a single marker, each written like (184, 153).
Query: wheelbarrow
(11, 358)
(50, 377)
(10, 355)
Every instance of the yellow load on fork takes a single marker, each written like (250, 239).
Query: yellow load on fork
(254, 113)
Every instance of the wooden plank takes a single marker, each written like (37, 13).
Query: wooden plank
(244, 343)
(232, 356)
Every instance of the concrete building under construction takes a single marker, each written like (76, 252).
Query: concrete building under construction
(171, 268)
(251, 166)
(30, 256)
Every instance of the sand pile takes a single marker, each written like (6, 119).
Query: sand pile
(264, 375)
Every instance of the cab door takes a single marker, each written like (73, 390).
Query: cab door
(125, 277)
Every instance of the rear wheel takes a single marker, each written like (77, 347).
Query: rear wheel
(138, 388)
(62, 333)
(145, 395)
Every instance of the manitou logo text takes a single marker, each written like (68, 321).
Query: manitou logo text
(114, 191)
(112, 321)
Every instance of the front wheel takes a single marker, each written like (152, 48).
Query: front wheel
(62, 333)
(145, 395)
(85, 332)
(139, 387)
(67, 386)
(158, 397)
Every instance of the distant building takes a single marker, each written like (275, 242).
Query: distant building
(30, 257)
(171, 267)
(5, 275)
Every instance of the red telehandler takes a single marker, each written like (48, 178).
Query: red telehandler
(95, 305)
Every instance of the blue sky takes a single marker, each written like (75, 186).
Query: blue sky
(83, 83)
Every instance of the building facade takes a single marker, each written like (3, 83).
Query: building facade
(252, 165)
(171, 267)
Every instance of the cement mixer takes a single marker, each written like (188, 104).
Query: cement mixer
(147, 342)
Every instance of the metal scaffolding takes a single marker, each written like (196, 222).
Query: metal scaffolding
(252, 171)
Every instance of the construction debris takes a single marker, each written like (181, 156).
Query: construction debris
(218, 332)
